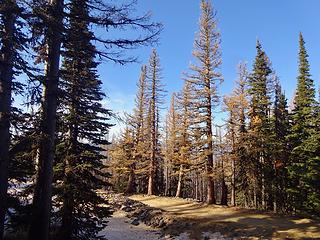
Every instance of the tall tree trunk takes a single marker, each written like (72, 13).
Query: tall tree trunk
(255, 198)
(150, 182)
(224, 189)
(233, 183)
(6, 77)
(152, 162)
(224, 193)
(197, 187)
(131, 188)
(152, 170)
(67, 210)
(67, 223)
(40, 222)
(179, 185)
(166, 190)
(263, 187)
(233, 166)
(209, 164)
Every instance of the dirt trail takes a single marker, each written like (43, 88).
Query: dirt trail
(119, 228)
(232, 222)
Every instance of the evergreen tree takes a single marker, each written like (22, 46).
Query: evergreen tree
(231, 107)
(84, 131)
(303, 128)
(205, 78)
(155, 99)
(49, 27)
(313, 169)
(13, 42)
(280, 152)
(241, 149)
(138, 122)
(172, 158)
(184, 107)
(259, 129)
(40, 222)
(6, 77)
(237, 106)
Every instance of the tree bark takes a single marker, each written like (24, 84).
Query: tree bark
(166, 191)
(210, 186)
(40, 222)
(233, 184)
(67, 223)
(224, 195)
(153, 125)
(6, 77)
(179, 186)
(151, 182)
(131, 188)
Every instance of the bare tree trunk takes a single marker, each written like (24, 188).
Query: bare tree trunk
(263, 193)
(246, 200)
(153, 155)
(224, 195)
(151, 182)
(6, 77)
(255, 199)
(67, 208)
(233, 184)
(209, 164)
(178, 192)
(67, 224)
(40, 222)
(197, 187)
(203, 189)
(67, 227)
(151, 186)
(233, 168)
(224, 189)
(131, 188)
(263, 187)
(167, 179)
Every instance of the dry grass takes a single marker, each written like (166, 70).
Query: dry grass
(231, 221)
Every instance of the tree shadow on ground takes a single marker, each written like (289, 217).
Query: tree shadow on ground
(196, 218)
(245, 227)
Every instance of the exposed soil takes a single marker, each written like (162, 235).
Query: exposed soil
(120, 228)
(184, 216)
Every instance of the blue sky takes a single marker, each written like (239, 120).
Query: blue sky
(276, 23)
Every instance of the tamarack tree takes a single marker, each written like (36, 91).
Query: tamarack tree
(206, 78)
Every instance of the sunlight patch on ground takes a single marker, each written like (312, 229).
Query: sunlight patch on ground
(235, 220)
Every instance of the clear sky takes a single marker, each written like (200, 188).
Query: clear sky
(276, 23)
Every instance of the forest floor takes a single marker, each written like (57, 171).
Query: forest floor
(196, 218)
(119, 228)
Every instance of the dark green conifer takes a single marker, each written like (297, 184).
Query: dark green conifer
(280, 150)
(302, 129)
(83, 128)
(259, 128)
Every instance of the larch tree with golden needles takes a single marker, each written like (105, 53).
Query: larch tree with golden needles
(155, 98)
(237, 106)
(171, 146)
(206, 77)
(138, 121)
